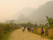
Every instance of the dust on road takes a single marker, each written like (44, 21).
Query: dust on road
(20, 35)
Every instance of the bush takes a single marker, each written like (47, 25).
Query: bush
(6, 28)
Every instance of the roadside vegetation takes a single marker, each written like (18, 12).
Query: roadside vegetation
(7, 28)
(48, 28)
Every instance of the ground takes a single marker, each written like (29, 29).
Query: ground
(20, 35)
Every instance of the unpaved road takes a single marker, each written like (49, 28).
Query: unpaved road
(19, 35)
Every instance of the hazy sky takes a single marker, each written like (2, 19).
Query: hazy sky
(10, 7)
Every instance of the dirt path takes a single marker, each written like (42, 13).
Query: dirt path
(19, 35)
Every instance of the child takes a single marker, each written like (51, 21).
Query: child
(32, 29)
(42, 32)
(23, 29)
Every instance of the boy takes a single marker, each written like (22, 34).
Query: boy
(42, 32)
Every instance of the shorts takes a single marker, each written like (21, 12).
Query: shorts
(42, 33)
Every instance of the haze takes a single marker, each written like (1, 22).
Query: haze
(11, 7)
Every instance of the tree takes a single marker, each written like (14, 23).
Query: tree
(29, 24)
(35, 25)
(50, 20)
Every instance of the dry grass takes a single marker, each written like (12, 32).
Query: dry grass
(50, 32)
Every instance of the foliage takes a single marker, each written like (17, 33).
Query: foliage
(35, 25)
(29, 24)
(6, 28)
(50, 20)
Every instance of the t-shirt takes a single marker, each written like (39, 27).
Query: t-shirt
(31, 28)
(42, 31)
(23, 27)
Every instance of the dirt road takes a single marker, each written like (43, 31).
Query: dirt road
(19, 35)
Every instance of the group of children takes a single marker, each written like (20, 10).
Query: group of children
(42, 31)
(28, 29)
(31, 29)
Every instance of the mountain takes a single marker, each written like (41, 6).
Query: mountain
(23, 19)
(40, 14)
(25, 11)
(21, 16)
(36, 16)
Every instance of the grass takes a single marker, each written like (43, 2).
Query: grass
(51, 38)
(35, 32)
(6, 36)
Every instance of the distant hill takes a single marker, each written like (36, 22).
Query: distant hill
(24, 11)
(40, 14)
(7, 21)
(19, 15)
(23, 19)
(36, 16)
